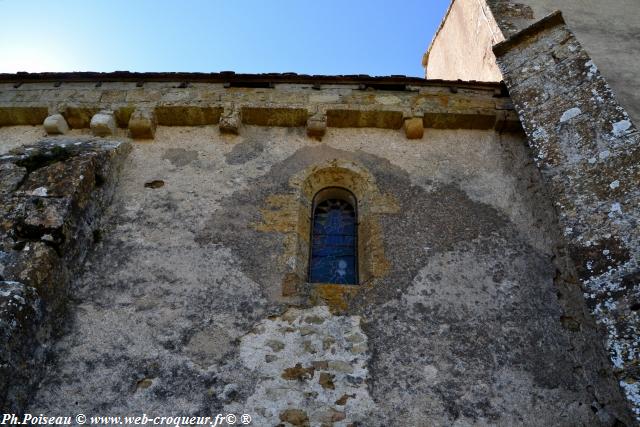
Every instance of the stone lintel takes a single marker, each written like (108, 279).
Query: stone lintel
(341, 106)
(461, 120)
(340, 116)
(188, 115)
(351, 118)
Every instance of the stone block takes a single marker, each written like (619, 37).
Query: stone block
(79, 117)
(56, 125)
(15, 115)
(187, 115)
(414, 128)
(350, 118)
(142, 124)
(103, 124)
(274, 116)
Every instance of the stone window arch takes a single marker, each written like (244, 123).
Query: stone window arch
(291, 214)
(333, 254)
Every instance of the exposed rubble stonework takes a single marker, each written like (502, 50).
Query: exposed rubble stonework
(52, 195)
(589, 153)
(310, 362)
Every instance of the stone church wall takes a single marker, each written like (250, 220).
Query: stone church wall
(193, 300)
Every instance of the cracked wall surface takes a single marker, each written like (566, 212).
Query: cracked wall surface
(181, 303)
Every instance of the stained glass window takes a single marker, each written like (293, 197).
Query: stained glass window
(333, 243)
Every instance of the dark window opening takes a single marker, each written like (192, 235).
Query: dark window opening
(334, 238)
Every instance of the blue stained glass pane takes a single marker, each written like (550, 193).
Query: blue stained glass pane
(333, 246)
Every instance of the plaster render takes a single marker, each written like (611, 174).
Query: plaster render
(461, 48)
(182, 294)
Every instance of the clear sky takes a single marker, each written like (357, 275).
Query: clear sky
(375, 37)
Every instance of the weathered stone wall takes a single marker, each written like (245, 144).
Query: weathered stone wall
(609, 32)
(572, 116)
(195, 300)
(140, 106)
(182, 306)
(52, 195)
(588, 152)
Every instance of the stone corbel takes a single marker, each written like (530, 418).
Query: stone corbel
(317, 124)
(230, 120)
(413, 125)
(103, 123)
(142, 124)
(55, 124)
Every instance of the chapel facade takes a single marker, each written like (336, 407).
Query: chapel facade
(461, 249)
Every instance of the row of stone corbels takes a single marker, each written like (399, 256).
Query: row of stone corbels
(143, 123)
(231, 120)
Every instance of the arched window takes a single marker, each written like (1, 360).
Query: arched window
(334, 238)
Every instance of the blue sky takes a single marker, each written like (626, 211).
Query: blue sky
(373, 37)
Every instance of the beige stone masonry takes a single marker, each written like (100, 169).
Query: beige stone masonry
(451, 105)
(18, 114)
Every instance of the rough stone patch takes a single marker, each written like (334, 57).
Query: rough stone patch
(51, 196)
(317, 376)
(180, 157)
(244, 152)
(20, 319)
(570, 114)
